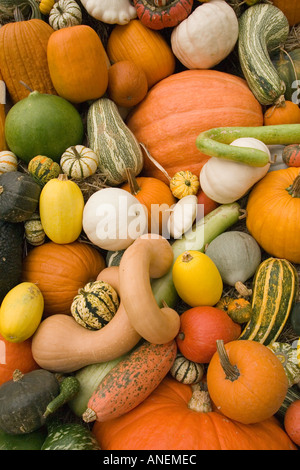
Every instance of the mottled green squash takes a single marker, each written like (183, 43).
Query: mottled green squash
(287, 355)
(43, 169)
(69, 436)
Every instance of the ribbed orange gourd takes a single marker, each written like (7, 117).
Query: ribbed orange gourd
(23, 57)
(143, 46)
(178, 108)
(179, 420)
(78, 63)
(290, 8)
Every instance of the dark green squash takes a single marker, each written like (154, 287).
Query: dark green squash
(11, 250)
(295, 318)
(69, 436)
(288, 68)
(31, 441)
(24, 399)
(19, 196)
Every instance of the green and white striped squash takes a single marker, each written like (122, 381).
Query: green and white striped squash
(262, 29)
(43, 169)
(65, 13)
(69, 436)
(275, 288)
(95, 305)
(34, 232)
(113, 142)
(8, 162)
(186, 371)
(287, 354)
(113, 258)
(79, 162)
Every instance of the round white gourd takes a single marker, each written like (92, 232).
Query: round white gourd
(236, 255)
(65, 13)
(79, 162)
(113, 218)
(8, 162)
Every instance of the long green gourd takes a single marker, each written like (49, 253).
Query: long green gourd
(204, 231)
(262, 28)
(215, 142)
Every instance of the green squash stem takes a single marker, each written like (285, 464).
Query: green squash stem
(294, 189)
(69, 387)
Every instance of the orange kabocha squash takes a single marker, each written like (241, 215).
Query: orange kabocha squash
(171, 418)
(143, 46)
(23, 57)
(177, 109)
(290, 8)
(85, 77)
(285, 112)
(60, 271)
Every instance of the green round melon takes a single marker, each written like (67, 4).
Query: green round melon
(42, 124)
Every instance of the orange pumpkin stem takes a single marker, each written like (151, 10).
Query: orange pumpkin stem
(294, 189)
(231, 371)
(133, 184)
(200, 400)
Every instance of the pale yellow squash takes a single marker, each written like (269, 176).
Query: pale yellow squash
(61, 210)
(21, 312)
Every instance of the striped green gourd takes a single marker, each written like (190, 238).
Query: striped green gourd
(275, 287)
(34, 232)
(185, 371)
(95, 305)
(262, 29)
(43, 169)
(287, 354)
(113, 258)
(114, 143)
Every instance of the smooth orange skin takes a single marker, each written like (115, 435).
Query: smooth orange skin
(288, 113)
(127, 83)
(292, 422)
(15, 356)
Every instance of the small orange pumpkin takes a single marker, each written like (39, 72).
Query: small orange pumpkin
(15, 356)
(292, 422)
(246, 381)
(285, 112)
(127, 83)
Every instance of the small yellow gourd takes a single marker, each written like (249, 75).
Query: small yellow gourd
(61, 210)
(184, 183)
(21, 312)
(46, 6)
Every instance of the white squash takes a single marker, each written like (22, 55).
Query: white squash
(182, 216)
(79, 162)
(110, 11)
(65, 13)
(225, 181)
(206, 36)
(113, 218)
(8, 162)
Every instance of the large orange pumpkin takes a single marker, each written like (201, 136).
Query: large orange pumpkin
(164, 421)
(77, 63)
(143, 46)
(290, 8)
(60, 271)
(273, 213)
(177, 109)
(15, 356)
(23, 57)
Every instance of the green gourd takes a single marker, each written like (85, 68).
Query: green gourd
(31, 441)
(287, 65)
(43, 169)
(68, 389)
(11, 255)
(69, 436)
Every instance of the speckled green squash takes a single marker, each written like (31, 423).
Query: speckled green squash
(43, 169)
(69, 436)
(275, 288)
(287, 355)
(185, 371)
(34, 232)
(95, 305)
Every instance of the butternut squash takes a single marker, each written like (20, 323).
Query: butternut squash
(60, 344)
(150, 256)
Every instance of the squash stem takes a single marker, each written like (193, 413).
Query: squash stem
(17, 375)
(133, 184)
(186, 257)
(294, 189)
(89, 415)
(200, 400)
(231, 371)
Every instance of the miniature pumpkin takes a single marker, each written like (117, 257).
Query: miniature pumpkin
(185, 371)
(8, 162)
(60, 271)
(291, 155)
(239, 310)
(159, 14)
(145, 47)
(250, 396)
(127, 83)
(34, 232)
(267, 204)
(45, 6)
(15, 356)
(184, 183)
(65, 13)
(286, 112)
(90, 81)
(291, 422)
(95, 305)
(173, 406)
(79, 162)
(43, 169)
(206, 36)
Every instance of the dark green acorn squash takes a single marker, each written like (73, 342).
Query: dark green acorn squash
(19, 196)
(69, 436)
(11, 251)
(288, 68)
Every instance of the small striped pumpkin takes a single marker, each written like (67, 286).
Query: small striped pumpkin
(65, 13)
(34, 232)
(79, 162)
(291, 155)
(186, 371)
(8, 162)
(43, 169)
(95, 305)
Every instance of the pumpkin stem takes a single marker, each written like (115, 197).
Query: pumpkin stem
(200, 400)
(294, 189)
(17, 375)
(62, 177)
(231, 371)
(242, 289)
(243, 214)
(89, 416)
(133, 184)
(76, 153)
(161, 168)
(186, 257)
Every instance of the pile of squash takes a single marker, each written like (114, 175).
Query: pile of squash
(149, 225)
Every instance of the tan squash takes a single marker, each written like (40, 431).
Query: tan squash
(150, 256)
(60, 344)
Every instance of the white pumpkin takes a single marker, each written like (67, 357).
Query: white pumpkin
(79, 162)
(65, 13)
(113, 218)
(225, 181)
(182, 216)
(110, 11)
(8, 162)
(206, 36)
